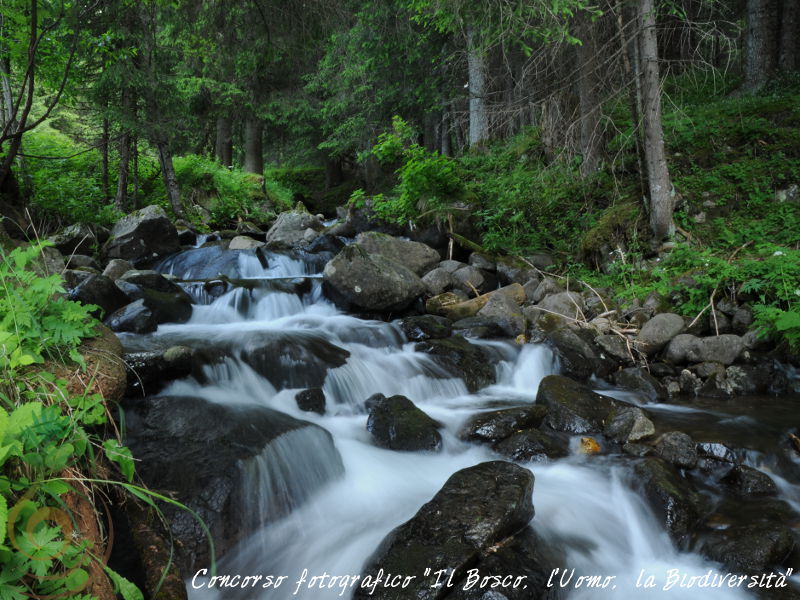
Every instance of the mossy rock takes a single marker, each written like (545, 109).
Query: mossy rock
(615, 225)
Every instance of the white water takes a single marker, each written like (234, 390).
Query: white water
(583, 505)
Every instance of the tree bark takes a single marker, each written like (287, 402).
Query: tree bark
(135, 152)
(760, 44)
(104, 153)
(224, 145)
(588, 84)
(121, 197)
(787, 60)
(253, 146)
(659, 183)
(170, 180)
(444, 132)
(478, 115)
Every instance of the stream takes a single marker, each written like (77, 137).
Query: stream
(584, 505)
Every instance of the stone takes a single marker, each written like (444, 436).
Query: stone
(547, 287)
(150, 372)
(397, 424)
(425, 327)
(482, 328)
(681, 347)
(722, 349)
(451, 266)
(494, 426)
(289, 229)
(637, 379)
(677, 448)
(567, 304)
(152, 280)
(100, 291)
(370, 281)
(750, 482)
(469, 279)
(572, 407)
(483, 262)
(244, 242)
(78, 238)
(628, 424)
(438, 281)
(135, 317)
(143, 236)
(741, 320)
(577, 354)
(533, 445)
(450, 305)
(751, 548)
(80, 261)
(475, 509)
(658, 331)
(671, 497)
(615, 346)
(116, 268)
(461, 359)
(530, 288)
(311, 400)
(506, 312)
(74, 277)
(413, 255)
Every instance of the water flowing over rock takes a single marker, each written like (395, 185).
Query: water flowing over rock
(202, 453)
(397, 424)
(476, 507)
(461, 359)
(371, 282)
(496, 425)
(143, 236)
(426, 327)
(572, 407)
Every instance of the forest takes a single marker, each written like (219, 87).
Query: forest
(213, 179)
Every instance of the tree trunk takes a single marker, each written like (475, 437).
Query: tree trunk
(478, 115)
(445, 148)
(588, 84)
(659, 183)
(135, 150)
(170, 180)
(788, 46)
(104, 153)
(760, 44)
(121, 197)
(224, 145)
(333, 173)
(253, 147)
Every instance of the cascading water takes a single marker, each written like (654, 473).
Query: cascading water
(583, 505)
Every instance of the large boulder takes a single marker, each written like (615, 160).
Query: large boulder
(533, 445)
(152, 280)
(290, 229)
(658, 331)
(143, 236)
(567, 304)
(461, 359)
(100, 291)
(475, 509)
(723, 349)
(397, 424)
(370, 282)
(572, 407)
(751, 548)
(203, 263)
(207, 456)
(749, 482)
(506, 313)
(412, 255)
(579, 356)
(639, 380)
(150, 372)
(672, 498)
(677, 448)
(469, 279)
(496, 425)
(628, 424)
(681, 347)
(78, 238)
(438, 281)
(135, 317)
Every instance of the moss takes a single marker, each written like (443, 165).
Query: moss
(616, 224)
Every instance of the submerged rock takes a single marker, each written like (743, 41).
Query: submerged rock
(476, 508)
(311, 400)
(397, 424)
(496, 425)
(461, 359)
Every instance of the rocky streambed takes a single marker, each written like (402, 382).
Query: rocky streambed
(348, 411)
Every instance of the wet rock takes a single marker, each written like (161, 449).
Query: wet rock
(459, 358)
(672, 498)
(413, 255)
(567, 304)
(289, 230)
(397, 424)
(208, 262)
(135, 317)
(78, 238)
(505, 312)
(483, 262)
(74, 277)
(370, 282)
(168, 307)
(722, 349)
(615, 346)
(143, 236)
(677, 448)
(752, 548)
(325, 243)
(628, 424)
(572, 407)
(533, 445)
(548, 286)
(530, 288)
(311, 400)
(150, 372)
(511, 271)
(658, 331)
(453, 307)
(206, 462)
(244, 242)
(747, 481)
(438, 281)
(578, 355)
(131, 290)
(484, 328)
(468, 279)
(100, 291)
(716, 451)
(297, 359)
(496, 425)
(116, 268)
(741, 320)
(81, 261)
(425, 327)
(637, 379)
(476, 508)
(152, 280)
(451, 266)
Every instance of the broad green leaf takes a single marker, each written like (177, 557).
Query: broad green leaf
(125, 588)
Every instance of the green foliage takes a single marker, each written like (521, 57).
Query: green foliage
(227, 194)
(429, 184)
(48, 437)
